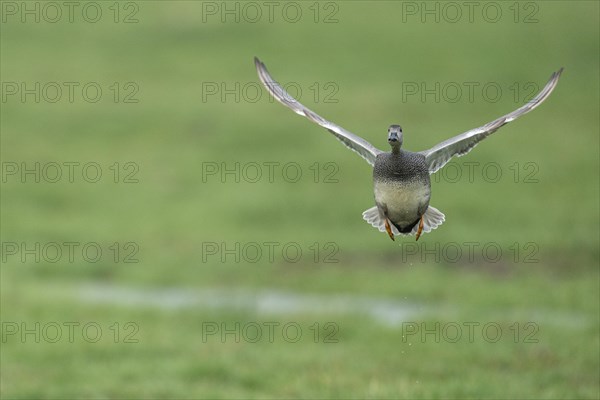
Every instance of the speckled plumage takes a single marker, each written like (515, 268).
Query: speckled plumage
(405, 166)
(402, 187)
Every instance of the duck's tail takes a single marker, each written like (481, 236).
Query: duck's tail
(431, 220)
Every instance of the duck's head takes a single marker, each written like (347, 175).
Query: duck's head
(395, 137)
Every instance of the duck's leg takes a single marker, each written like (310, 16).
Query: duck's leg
(420, 230)
(388, 229)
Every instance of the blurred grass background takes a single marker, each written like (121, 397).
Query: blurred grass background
(170, 53)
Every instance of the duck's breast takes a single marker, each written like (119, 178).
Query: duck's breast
(403, 201)
(402, 186)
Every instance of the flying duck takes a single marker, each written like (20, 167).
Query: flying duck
(401, 181)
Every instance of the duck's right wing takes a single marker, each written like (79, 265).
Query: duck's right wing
(365, 149)
(460, 145)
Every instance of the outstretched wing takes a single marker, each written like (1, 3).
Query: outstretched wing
(365, 149)
(460, 145)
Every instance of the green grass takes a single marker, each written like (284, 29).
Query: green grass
(170, 214)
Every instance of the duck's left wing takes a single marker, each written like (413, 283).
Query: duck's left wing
(460, 145)
(365, 149)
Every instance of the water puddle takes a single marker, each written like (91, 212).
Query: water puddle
(386, 311)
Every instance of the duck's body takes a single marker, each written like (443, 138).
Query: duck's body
(402, 191)
(401, 183)
(402, 188)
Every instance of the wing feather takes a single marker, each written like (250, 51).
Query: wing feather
(460, 145)
(365, 149)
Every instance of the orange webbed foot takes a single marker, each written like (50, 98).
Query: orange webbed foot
(420, 230)
(388, 229)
